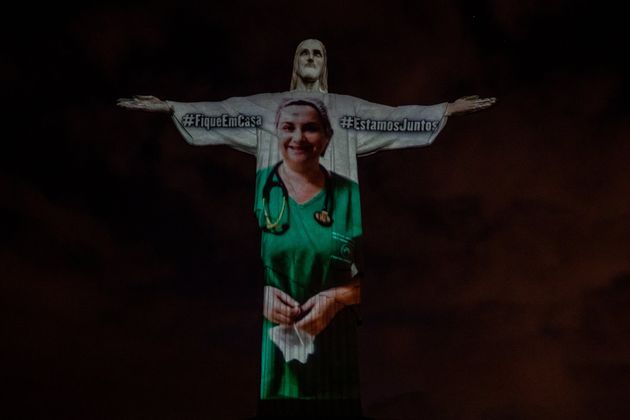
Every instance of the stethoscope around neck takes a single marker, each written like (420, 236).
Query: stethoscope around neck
(323, 216)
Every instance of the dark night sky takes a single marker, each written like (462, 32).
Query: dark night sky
(498, 258)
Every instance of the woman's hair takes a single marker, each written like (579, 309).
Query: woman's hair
(313, 103)
(323, 76)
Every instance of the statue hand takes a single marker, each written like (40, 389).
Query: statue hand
(144, 103)
(468, 104)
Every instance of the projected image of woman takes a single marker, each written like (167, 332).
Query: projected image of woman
(311, 225)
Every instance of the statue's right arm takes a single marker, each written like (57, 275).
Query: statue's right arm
(201, 123)
(144, 103)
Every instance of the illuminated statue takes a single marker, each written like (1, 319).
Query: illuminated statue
(306, 142)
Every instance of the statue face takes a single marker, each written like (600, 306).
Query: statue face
(310, 60)
(302, 135)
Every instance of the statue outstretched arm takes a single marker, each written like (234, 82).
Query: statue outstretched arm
(381, 127)
(233, 122)
(144, 103)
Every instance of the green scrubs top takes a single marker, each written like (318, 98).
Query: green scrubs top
(303, 260)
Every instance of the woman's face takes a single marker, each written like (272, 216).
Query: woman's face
(302, 135)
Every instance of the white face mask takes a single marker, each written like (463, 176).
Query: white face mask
(294, 343)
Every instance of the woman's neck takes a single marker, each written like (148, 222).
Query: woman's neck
(305, 173)
(303, 183)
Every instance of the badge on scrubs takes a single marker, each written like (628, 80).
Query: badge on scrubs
(323, 218)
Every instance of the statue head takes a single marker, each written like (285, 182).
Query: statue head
(310, 72)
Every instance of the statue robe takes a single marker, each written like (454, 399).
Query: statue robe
(310, 258)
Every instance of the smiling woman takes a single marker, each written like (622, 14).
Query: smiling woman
(303, 264)
(304, 132)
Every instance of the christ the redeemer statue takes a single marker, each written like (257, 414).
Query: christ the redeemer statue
(306, 142)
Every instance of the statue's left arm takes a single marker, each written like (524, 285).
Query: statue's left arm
(380, 127)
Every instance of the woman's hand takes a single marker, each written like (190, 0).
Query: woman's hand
(279, 307)
(468, 104)
(144, 103)
(320, 311)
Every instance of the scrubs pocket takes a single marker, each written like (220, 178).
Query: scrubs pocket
(342, 255)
